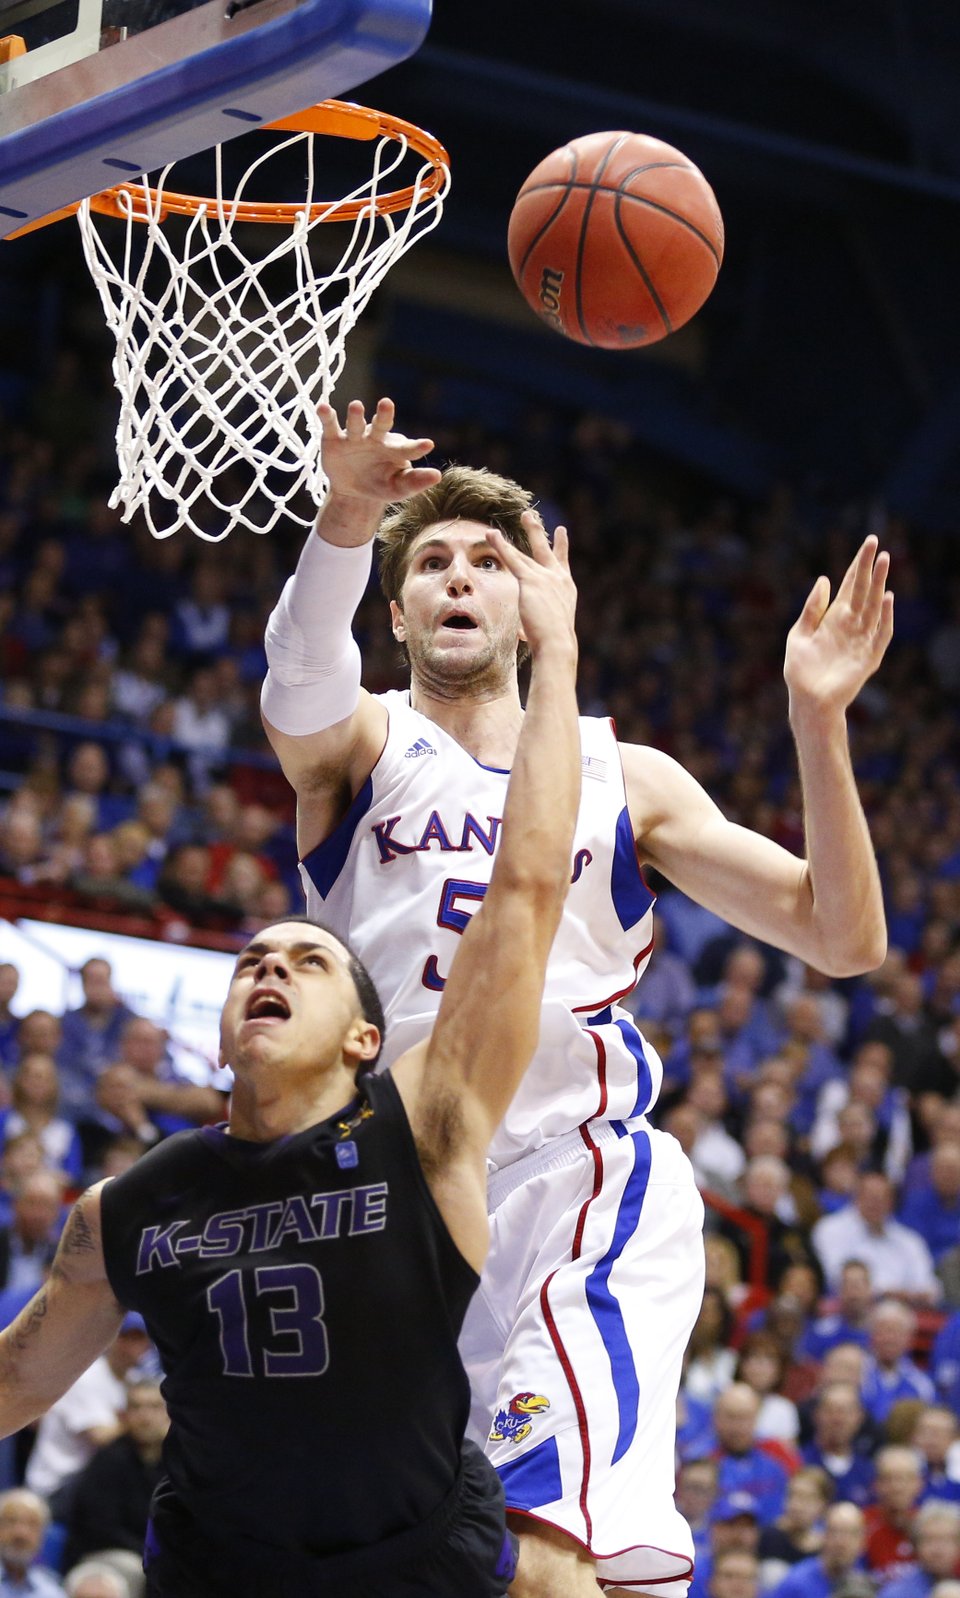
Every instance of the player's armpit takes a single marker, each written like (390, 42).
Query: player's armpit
(326, 769)
(71, 1320)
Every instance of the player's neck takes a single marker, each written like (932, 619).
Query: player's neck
(260, 1115)
(487, 725)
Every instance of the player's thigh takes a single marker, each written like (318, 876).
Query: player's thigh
(584, 1430)
(550, 1564)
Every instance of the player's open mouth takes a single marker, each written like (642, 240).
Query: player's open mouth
(267, 1005)
(460, 623)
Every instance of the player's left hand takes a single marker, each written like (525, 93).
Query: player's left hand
(548, 595)
(833, 648)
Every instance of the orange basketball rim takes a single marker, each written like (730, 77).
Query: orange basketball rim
(340, 119)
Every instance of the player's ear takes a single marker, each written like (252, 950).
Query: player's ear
(362, 1042)
(397, 623)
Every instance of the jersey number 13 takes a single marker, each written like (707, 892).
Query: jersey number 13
(296, 1342)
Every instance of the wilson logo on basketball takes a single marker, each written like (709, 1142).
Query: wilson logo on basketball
(551, 282)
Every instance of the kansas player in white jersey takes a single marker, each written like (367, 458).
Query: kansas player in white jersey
(411, 860)
(594, 1276)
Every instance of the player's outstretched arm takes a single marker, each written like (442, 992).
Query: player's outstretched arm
(828, 908)
(326, 732)
(72, 1319)
(458, 1084)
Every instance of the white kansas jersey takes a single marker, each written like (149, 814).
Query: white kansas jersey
(410, 862)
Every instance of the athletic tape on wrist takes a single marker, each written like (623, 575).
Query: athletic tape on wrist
(313, 680)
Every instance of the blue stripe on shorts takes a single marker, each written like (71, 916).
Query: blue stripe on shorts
(534, 1479)
(604, 1306)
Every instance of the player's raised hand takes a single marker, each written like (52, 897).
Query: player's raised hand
(833, 648)
(548, 595)
(366, 461)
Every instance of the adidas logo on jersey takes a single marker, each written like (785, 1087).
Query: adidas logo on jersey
(421, 747)
(592, 767)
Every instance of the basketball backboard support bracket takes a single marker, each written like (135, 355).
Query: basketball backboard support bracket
(97, 116)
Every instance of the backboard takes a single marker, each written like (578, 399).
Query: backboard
(93, 92)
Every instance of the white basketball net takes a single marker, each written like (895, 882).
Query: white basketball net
(220, 376)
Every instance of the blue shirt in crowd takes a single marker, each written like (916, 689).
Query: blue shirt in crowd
(855, 1483)
(915, 1584)
(938, 1223)
(880, 1390)
(829, 1331)
(807, 1579)
(945, 1363)
(756, 1473)
(37, 1582)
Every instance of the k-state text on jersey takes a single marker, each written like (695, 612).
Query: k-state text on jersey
(349, 1212)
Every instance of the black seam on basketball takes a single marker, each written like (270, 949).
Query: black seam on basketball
(665, 210)
(628, 246)
(639, 199)
(567, 187)
(592, 189)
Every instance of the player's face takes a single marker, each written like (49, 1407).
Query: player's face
(292, 1004)
(459, 616)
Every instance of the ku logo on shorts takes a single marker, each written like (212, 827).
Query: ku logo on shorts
(511, 1425)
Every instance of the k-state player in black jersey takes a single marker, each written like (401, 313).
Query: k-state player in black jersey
(304, 1271)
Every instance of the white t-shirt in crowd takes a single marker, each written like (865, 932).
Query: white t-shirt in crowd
(61, 1449)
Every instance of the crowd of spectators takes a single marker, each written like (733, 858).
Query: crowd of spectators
(819, 1420)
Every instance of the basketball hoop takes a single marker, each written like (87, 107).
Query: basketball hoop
(222, 356)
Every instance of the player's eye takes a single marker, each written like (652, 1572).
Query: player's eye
(316, 959)
(490, 563)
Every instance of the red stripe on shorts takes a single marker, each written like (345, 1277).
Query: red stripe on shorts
(556, 1339)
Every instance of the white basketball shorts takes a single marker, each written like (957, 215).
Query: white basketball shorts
(575, 1338)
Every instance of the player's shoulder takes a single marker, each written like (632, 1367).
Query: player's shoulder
(174, 1155)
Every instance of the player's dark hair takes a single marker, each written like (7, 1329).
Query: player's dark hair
(464, 493)
(370, 1006)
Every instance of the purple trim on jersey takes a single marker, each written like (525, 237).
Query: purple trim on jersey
(605, 1308)
(631, 896)
(325, 863)
(534, 1479)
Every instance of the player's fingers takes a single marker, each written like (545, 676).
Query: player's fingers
(511, 557)
(356, 423)
(856, 579)
(877, 587)
(329, 420)
(815, 606)
(410, 449)
(416, 478)
(382, 418)
(561, 547)
(536, 532)
(884, 631)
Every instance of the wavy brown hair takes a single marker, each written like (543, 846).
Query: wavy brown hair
(464, 493)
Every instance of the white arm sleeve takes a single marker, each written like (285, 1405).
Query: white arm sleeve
(313, 676)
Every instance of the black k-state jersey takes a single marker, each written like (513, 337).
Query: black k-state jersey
(305, 1297)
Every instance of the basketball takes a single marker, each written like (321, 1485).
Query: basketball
(615, 240)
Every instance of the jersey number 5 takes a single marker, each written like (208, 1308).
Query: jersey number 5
(454, 919)
(297, 1344)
